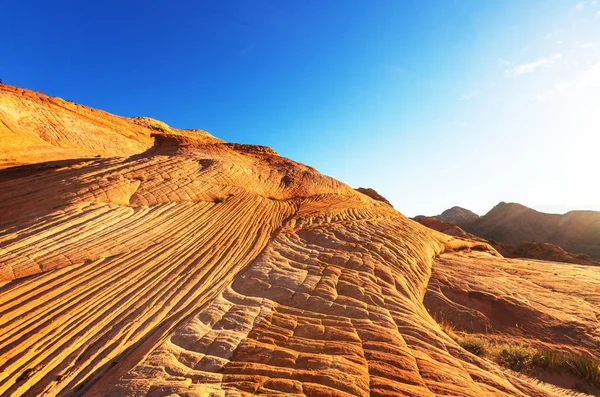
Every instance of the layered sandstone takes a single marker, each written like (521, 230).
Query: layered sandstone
(177, 264)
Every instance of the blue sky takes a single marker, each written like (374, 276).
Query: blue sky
(432, 103)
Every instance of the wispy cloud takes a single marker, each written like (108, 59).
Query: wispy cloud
(396, 70)
(586, 3)
(535, 65)
(469, 95)
(587, 79)
(246, 49)
(586, 46)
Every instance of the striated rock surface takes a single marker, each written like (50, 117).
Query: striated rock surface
(373, 194)
(552, 305)
(180, 265)
(36, 128)
(445, 227)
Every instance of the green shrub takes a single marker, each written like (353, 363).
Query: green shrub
(515, 357)
(474, 344)
(586, 368)
(550, 359)
(523, 358)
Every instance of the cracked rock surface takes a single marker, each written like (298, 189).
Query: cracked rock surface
(176, 264)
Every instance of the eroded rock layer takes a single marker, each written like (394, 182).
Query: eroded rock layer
(194, 267)
(552, 305)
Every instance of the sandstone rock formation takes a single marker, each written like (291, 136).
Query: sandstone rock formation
(38, 128)
(552, 306)
(373, 194)
(560, 311)
(446, 227)
(179, 265)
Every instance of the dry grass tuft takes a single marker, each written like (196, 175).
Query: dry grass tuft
(522, 358)
(586, 368)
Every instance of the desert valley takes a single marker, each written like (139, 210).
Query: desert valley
(138, 259)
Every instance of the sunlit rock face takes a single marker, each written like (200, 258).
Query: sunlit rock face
(180, 265)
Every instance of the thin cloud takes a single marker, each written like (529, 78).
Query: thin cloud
(586, 46)
(246, 49)
(469, 95)
(397, 70)
(586, 80)
(585, 3)
(535, 65)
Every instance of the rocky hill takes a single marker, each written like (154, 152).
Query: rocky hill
(38, 128)
(458, 216)
(446, 227)
(525, 249)
(577, 232)
(175, 264)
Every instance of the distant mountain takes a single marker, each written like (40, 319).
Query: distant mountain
(458, 216)
(512, 223)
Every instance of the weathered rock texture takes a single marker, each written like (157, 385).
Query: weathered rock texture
(201, 268)
(446, 227)
(555, 306)
(38, 128)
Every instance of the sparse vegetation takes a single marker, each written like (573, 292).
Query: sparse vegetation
(517, 357)
(551, 359)
(522, 358)
(151, 123)
(286, 180)
(586, 368)
(473, 344)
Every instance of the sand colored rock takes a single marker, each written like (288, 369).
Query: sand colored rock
(37, 128)
(552, 305)
(446, 227)
(195, 267)
(373, 194)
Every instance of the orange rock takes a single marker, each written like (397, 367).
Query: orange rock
(179, 265)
